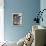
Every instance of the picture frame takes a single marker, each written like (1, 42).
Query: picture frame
(17, 18)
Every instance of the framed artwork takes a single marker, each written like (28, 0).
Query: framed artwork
(17, 18)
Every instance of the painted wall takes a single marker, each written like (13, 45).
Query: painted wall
(43, 6)
(28, 8)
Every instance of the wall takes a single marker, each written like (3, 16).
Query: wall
(43, 6)
(1, 20)
(28, 8)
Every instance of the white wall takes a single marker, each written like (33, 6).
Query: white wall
(1, 20)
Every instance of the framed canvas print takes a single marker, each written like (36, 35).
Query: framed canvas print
(17, 18)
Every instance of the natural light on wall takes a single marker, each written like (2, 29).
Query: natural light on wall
(1, 20)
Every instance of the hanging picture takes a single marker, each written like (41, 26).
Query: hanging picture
(17, 18)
